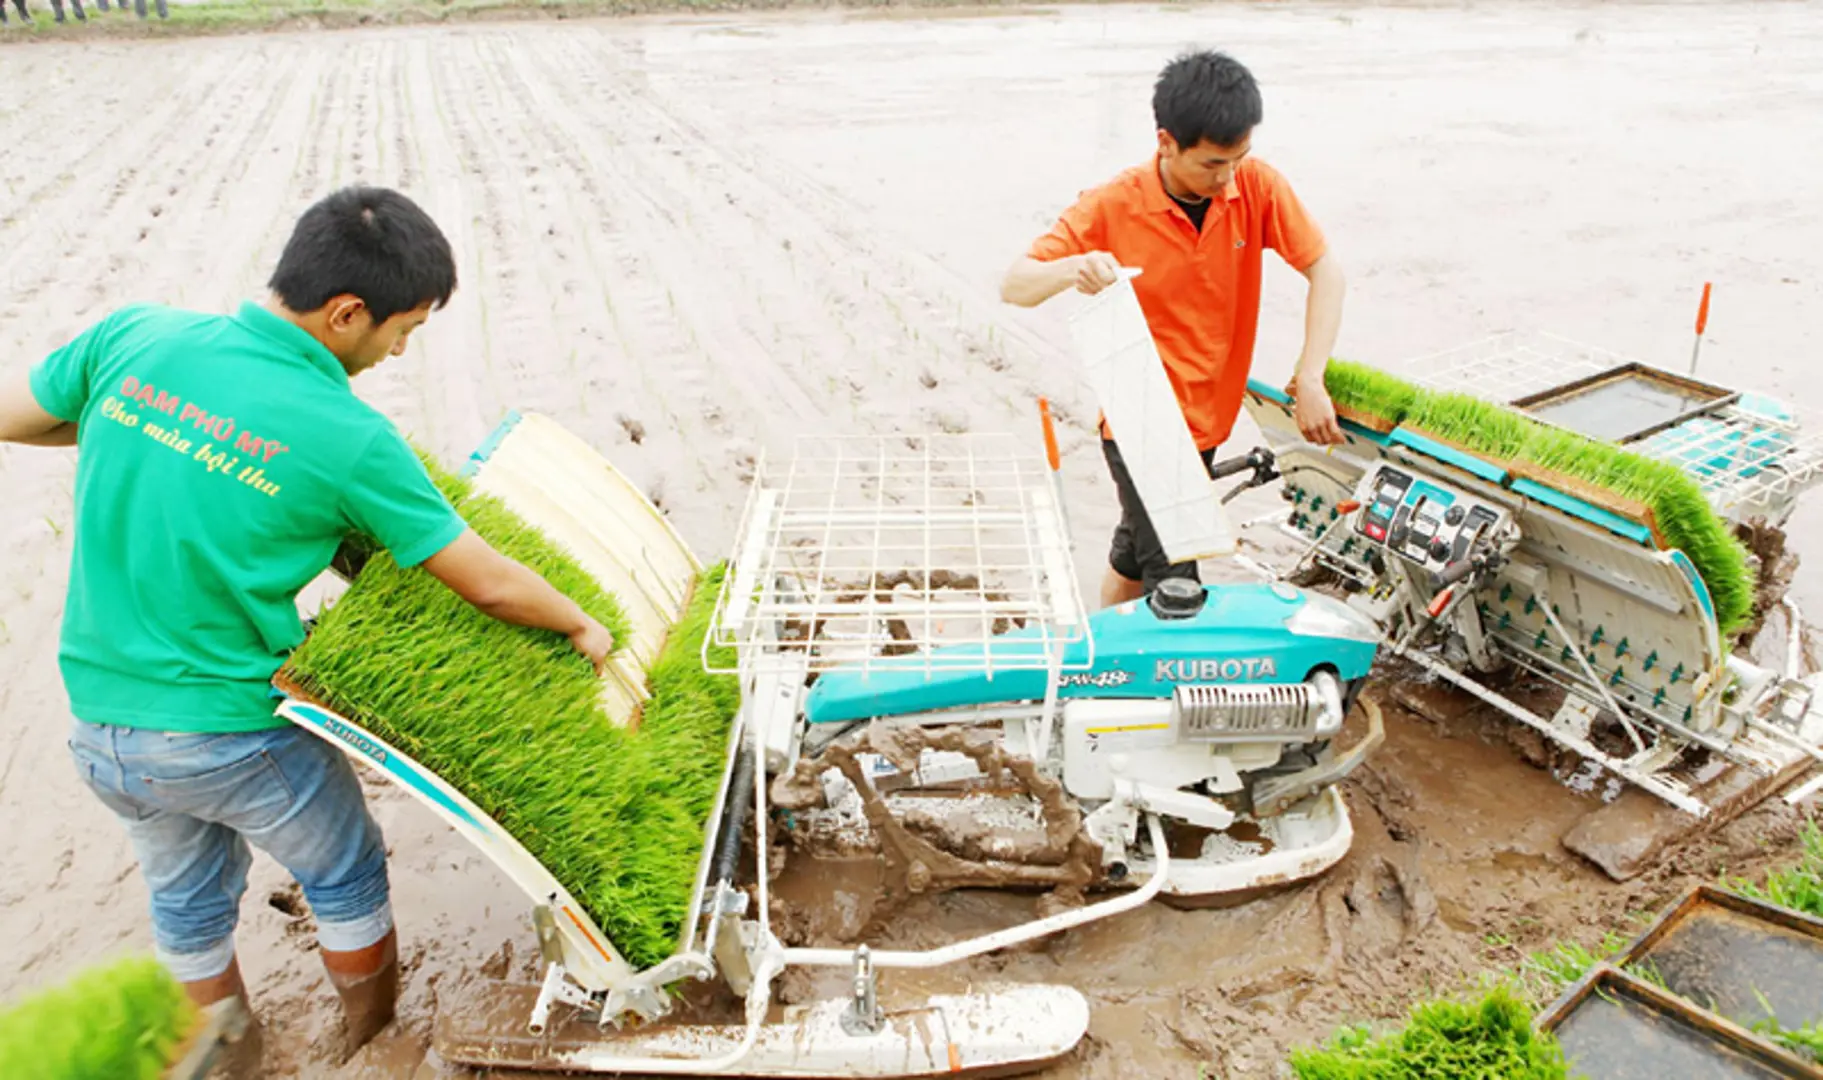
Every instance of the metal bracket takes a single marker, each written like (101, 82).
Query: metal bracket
(863, 1015)
(646, 997)
(1274, 795)
(556, 988)
(726, 942)
(544, 924)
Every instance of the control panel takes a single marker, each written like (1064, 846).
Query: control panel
(1422, 521)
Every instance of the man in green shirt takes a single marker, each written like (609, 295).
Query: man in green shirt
(221, 462)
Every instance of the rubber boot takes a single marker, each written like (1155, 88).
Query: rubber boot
(367, 980)
(240, 1059)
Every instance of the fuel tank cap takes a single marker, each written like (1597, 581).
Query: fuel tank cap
(1177, 598)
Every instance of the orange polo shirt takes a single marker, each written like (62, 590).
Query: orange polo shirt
(1200, 293)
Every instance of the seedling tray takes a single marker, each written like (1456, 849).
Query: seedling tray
(1738, 957)
(1613, 1026)
(1625, 403)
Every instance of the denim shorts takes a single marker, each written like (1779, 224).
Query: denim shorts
(193, 802)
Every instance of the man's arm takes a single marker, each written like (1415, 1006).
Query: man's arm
(511, 592)
(1030, 282)
(1315, 413)
(23, 420)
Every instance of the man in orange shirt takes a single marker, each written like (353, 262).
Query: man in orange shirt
(1195, 220)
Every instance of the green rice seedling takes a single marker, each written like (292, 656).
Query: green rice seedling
(512, 718)
(1445, 1040)
(1683, 515)
(1368, 390)
(1471, 423)
(122, 1020)
(1545, 974)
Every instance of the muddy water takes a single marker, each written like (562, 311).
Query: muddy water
(688, 239)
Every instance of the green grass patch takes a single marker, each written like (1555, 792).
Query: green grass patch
(512, 718)
(1806, 1042)
(251, 16)
(1490, 1036)
(122, 1020)
(1799, 886)
(1683, 515)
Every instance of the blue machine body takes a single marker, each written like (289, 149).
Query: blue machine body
(1264, 633)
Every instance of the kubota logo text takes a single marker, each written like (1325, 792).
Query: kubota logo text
(355, 739)
(1251, 667)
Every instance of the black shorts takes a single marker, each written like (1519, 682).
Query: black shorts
(1135, 553)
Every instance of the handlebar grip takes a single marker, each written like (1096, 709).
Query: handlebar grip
(1223, 469)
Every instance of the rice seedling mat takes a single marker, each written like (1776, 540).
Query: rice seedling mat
(1749, 454)
(602, 786)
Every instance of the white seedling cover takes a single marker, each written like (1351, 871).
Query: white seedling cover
(1129, 380)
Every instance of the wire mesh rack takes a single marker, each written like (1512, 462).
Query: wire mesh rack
(1750, 453)
(922, 553)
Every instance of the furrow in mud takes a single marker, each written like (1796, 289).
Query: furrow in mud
(952, 325)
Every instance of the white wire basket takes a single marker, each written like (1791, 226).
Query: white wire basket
(1750, 453)
(925, 552)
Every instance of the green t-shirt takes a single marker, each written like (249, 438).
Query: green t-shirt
(221, 461)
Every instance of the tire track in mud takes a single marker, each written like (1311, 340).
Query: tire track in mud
(185, 227)
(520, 241)
(971, 334)
(750, 295)
(655, 336)
(784, 298)
(76, 129)
(42, 246)
(452, 423)
(646, 291)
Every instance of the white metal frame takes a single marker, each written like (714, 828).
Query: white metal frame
(819, 530)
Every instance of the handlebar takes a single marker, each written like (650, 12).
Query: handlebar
(1255, 460)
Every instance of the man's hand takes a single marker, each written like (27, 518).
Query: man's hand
(1030, 282)
(512, 592)
(594, 642)
(1095, 271)
(1315, 413)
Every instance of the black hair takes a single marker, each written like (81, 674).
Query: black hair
(371, 242)
(1206, 95)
